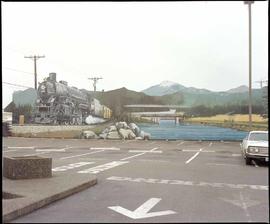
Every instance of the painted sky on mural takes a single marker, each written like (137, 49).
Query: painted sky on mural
(133, 44)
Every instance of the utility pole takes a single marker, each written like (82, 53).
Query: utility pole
(35, 58)
(95, 79)
(262, 81)
(250, 88)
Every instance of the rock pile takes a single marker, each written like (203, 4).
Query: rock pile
(120, 130)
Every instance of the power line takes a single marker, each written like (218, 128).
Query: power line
(35, 57)
(16, 70)
(15, 50)
(66, 67)
(16, 85)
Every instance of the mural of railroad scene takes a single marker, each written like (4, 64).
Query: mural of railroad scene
(126, 112)
(58, 103)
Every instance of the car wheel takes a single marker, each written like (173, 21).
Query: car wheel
(248, 161)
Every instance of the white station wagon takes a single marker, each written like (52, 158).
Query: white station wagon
(255, 146)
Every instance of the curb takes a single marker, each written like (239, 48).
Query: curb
(17, 212)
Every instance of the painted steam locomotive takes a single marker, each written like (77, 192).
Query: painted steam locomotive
(59, 103)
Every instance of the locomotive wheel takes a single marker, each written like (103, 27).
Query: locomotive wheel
(72, 121)
(79, 121)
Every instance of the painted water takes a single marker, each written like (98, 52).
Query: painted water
(167, 129)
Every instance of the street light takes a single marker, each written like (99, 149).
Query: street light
(249, 21)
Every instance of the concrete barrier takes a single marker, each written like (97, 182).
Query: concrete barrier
(27, 167)
(17, 129)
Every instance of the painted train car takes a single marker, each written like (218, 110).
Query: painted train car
(59, 103)
(100, 110)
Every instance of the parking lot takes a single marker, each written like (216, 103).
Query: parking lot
(152, 181)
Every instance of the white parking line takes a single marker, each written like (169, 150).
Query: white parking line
(34, 154)
(180, 143)
(188, 161)
(236, 154)
(221, 164)
(150, 151)
(195, 150)
(153, 149)
(143, 152)
(68, 157)
(10, 150)
(51, 150)
(159, 151)
(21, 147)
(133, 156)
(111, 148)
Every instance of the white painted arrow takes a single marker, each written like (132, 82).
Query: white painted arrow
(142, 211)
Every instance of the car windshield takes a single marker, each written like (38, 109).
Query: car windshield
(258, 137)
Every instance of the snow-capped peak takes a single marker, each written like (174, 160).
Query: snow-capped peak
(167, 83)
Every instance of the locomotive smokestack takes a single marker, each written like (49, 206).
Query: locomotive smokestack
(52, 76)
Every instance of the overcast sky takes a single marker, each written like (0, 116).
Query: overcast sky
(133, 44)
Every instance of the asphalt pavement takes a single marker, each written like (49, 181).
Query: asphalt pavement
(151, 181)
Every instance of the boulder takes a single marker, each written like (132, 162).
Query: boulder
(135, 129)
(139, 138)
(123, 133)
(145, 135)
(88, 135)
(131, 135)
(132, 126)
(126, 134)
(105, 131)
(103, 135)
(113, 135)
(121, 124)
(112, 128)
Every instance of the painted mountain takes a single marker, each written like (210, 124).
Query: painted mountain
(194, 96)
(168, 87)
(164, 88)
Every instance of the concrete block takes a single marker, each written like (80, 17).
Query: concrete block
(27, 167)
